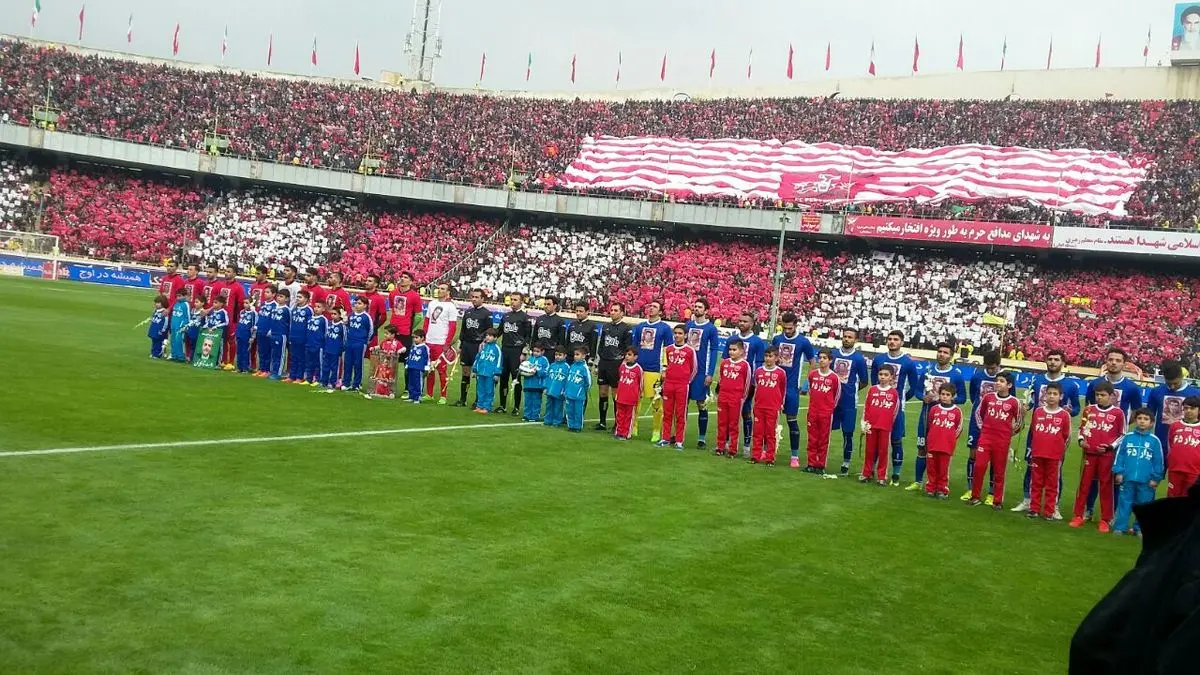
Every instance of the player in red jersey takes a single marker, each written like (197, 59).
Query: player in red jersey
(943, 427)
(732, 389)
(1050, 430)
(879, 416)
(1183, 458)
(337, 296)
(193, 285)
(211, 278)
(376, 304)
(1102, 425)
(316, 292)
(171, 285)
(405, 302)
(259, 286)
(999, 415)
(682, 364)
(629, 394)
(770, 386)
(824, 388)
(230, 290)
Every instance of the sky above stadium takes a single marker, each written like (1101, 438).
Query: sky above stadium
(640, 30)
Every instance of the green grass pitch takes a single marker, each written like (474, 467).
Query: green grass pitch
(516, 549)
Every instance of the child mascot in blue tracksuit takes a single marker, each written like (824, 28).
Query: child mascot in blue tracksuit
(335, 344)
(314, 345)
(281, 326)
(556, 389)
(486, 368)
(247, 320)
(535, 384)
(1137, 469)
(359, 331)
(579, 383)
(297, 340)
(160, 327)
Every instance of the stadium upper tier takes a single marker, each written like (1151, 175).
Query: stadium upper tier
(479, 139)
(120, 215)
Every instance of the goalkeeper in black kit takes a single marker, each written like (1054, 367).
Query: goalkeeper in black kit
(516, 335)
(475, 324)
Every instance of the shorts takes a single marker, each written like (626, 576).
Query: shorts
(791, 402)
(648, 382)
(608, 373)
(467, 353)
(972, 433)
(697, 390)
(510, 361)
(845, 417)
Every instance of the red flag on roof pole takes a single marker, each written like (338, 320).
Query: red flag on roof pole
(916, 55)
(175, 42)
(1098, 41)
(750, 64)
(270, 47)
(712, 64)
(129, 31)
(573, 57)
(1146, 49)
(662, 72)
(313, 58)
(959, 63)
(81, 10)
(356, 61)
(618, 69)
(828, 54)
(791, 53)
(871, 67)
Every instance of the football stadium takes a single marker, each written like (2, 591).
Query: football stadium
(861, 355)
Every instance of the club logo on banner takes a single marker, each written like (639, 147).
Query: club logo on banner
(1024, 235)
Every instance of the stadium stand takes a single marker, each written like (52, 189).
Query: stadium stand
(475, 139)
(17, 182)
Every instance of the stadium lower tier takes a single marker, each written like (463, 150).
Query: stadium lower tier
(1030, 304)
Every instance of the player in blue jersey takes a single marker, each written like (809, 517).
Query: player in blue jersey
(982, 382)
(1166, 401)
(651, 337)
(793, 350)
(851, 368)
(904, 375)
(1055, 360)
(931, 379)
(1128, 397)
(756, 348)
(702, 336)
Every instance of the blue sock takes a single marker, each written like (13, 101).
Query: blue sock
(1092, 495)
(702, 422)
(1027, 484)
(921, 461)
(747, 428)
(794, 436)
(847, 448)
(897, 456)
(970, 468)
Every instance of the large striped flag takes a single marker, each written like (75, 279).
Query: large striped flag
(1086, 181)
(82, 10)
(129, 31)
(175, 42)
(528, 66)
(37, 9)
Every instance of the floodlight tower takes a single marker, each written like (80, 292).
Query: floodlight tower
(423, 44)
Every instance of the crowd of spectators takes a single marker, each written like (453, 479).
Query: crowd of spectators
(16, 189)
(479, 138)
(580, 262)
(931, 295)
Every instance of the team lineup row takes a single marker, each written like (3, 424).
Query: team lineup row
(323, 336)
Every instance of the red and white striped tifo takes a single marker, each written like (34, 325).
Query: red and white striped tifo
(1084, 181)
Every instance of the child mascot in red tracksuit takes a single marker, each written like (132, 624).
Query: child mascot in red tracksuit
(1102, 426)
(682, 365)
(944, 425)
(879, 416)
(770, 386)
(732, 389)
(629, 394)
(1051, 430)
(824, 388)
(999, 415)
(1183, 449)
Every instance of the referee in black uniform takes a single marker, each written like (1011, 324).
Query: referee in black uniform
(475, 324)
(515, 334)
(581, 333)
(549, 329)
(615, 338)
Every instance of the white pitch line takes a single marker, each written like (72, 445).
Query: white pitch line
(276, 439)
